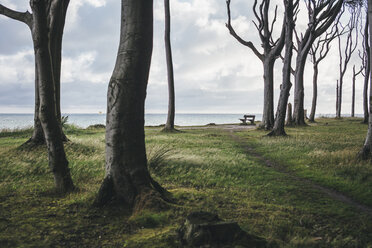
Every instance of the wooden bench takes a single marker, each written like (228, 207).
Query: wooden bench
(248, 118)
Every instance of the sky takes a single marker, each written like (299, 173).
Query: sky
(213, 72)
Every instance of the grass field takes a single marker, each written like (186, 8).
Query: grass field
(205, 169)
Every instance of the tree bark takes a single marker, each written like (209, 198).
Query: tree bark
(268, 109)
(366, 151)
(278, 129)
(315, 93)
(169, 126)
(353, 93)
(289, 115)
(367, 72)
(339, 98)
(298, 113)
(47, 112)
(127, 178)
(37, 137)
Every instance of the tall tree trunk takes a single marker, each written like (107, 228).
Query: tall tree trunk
(47, 111)
(353, 93)
(278, 129)
(367, 72)
(315, 93)
(127, 177)
(366, 151)
(268, 110)
(339, 98)
(337, 95)
(169, 126)
(56, 26)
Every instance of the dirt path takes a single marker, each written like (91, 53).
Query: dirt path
(330, 192)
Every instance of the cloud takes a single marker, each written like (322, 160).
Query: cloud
(213, 72)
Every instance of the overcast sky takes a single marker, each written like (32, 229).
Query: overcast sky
(213, 72)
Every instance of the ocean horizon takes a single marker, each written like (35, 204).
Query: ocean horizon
(20, 121)
(83, 120)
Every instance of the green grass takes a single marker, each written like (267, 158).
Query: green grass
(205, 170)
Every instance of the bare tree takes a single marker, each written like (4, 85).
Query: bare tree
(321, 15)
(318, 52)
(271, 51)
(127, 178)
(366, 151)
(366, 65)
(169, 126)
(56, 21)
(355, 74)
(290, 12)
(346, 53)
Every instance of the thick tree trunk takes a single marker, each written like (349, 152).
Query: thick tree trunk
(315, 93)
(169, 126)
(366, 151)
(47, 111)
(298, 113)
(127, 177)
(37, 137)
(268, 109)
(278, 129)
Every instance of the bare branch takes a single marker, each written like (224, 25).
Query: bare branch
(237, 37)
(24, 17)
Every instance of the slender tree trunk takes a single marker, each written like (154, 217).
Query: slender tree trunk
(337, 95)
(366, 151)
(268, 109)
(315, 93)
(127, 177)
(339, 98)
(278, 129)
(289, 115)
(366, 73)
(365, 94)
(47, 111)
(353, 93)
(169, 126)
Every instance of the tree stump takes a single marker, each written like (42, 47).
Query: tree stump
(203, 229)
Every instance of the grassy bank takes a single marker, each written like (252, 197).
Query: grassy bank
(205, 170)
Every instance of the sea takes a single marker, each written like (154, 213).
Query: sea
(20, 121)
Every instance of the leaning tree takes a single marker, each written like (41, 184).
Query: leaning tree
(55, 12)
(271, 51)
(366, 65)
(290, 16)
(127, 178)
(366, 151)
(321, 15)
